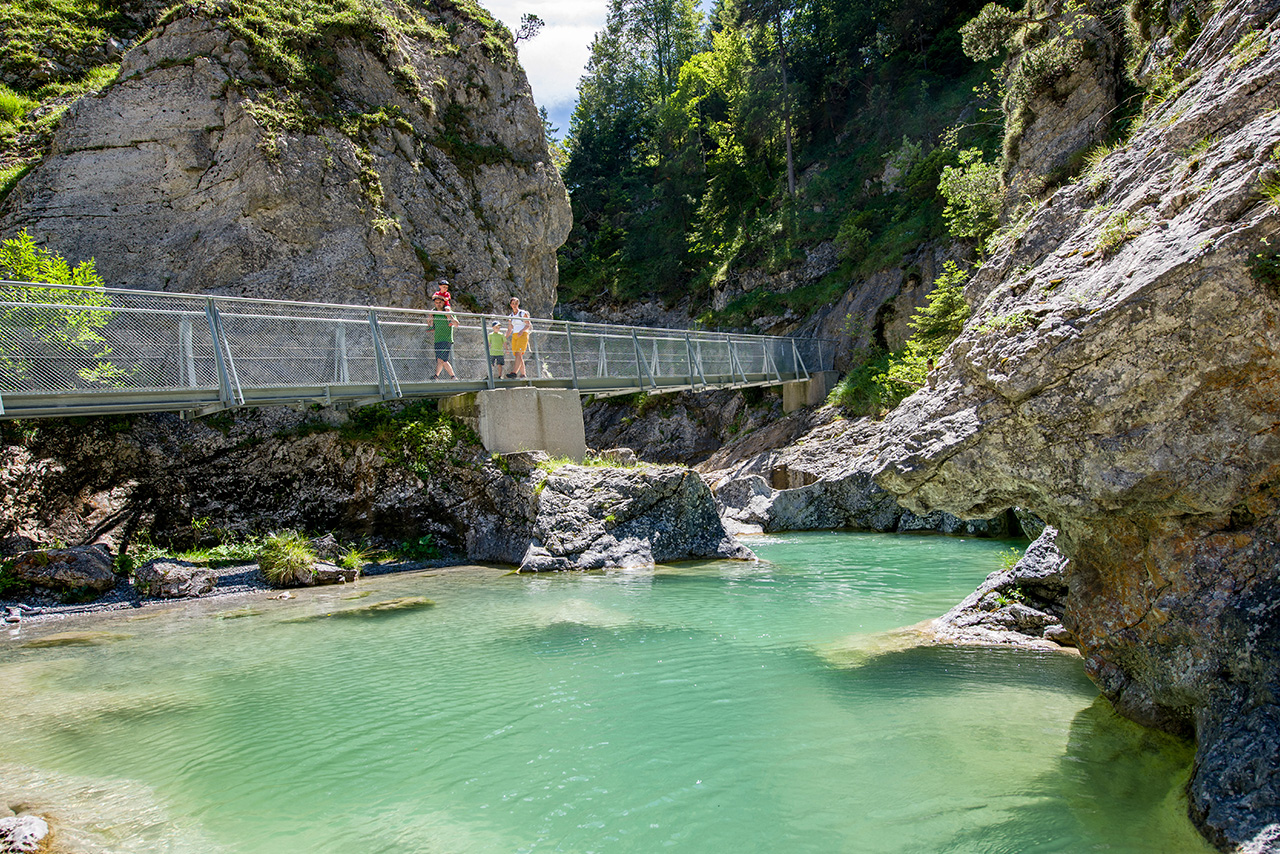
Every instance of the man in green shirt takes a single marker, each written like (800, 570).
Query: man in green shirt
(445, 321)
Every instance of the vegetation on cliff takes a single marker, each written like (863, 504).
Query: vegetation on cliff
(53, 52)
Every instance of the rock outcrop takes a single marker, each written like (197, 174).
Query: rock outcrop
(590, 517)
(396, 151)
(1020, 606)
(810, 471)
(1119, 379)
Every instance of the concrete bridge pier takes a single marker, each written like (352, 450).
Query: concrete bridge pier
(524, 419)
(810, 392)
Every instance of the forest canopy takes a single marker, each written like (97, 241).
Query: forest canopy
(701, 146)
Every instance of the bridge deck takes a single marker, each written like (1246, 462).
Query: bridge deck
(75, 351)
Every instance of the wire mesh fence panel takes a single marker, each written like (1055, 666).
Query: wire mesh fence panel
(66, 340)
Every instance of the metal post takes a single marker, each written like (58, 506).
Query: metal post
(602, 366)
(702, 374)
(797, 361)
(186, 355)
(341, 368)
(488, 357)
(654, 372)
(533, 345)
(770, 360)
(228, 382)
(734, 360)
(635, 342)
(388, 385)
(688, 349)
(573, 363)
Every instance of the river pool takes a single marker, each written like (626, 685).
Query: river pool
(709, 707)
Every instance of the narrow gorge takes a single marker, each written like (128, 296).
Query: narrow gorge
(1114, 375)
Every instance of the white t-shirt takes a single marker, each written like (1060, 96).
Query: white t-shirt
(518, 325)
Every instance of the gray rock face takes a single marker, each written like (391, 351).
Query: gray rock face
(173, 579)
(82, 569)
(1069, 112)
(820, 481)
(683, 427)
(182, 176)
(590, 517)
(1117, 379)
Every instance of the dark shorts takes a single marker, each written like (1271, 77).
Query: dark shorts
(497, 360)
(443, 350)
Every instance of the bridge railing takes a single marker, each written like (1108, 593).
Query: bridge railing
(66, 349)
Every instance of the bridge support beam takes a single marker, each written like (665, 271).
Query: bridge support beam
(524, 419)
(810, 392)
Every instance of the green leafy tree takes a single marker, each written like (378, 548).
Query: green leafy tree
(56, 319)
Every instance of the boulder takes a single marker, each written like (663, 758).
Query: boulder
(318, 574)
(76, 570)
(1019, 606)
(173, 579)
(588, 517)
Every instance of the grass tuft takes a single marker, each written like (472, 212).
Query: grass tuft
(286, 559)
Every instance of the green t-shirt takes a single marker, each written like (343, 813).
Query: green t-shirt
(496, 341)
(444, 332)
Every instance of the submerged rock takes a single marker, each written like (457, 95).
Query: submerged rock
(382, 608)
(75, 639)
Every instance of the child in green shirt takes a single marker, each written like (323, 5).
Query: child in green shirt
(497, 341)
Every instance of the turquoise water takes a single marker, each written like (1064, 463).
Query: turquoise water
(714, 707)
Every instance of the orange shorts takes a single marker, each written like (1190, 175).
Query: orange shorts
(519, 342)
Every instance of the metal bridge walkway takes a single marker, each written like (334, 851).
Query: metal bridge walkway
(88, 351)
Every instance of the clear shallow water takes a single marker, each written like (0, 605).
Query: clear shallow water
(717, 707)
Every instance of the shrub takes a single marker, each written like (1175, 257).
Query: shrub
(423, 548)
(972, 191)
(286, 558)
(1119, 229)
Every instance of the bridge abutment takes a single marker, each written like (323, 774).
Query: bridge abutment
(524, 419)
(810, 392)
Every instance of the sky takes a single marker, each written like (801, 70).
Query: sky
(554, 59)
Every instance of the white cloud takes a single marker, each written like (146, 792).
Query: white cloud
(554, 59)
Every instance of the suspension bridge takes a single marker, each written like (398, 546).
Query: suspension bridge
(67, 351)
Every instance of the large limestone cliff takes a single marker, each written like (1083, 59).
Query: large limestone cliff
(1119, 377)
(406, 149)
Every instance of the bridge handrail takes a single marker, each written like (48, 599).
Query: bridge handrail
(78, 346)
(226, 298)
